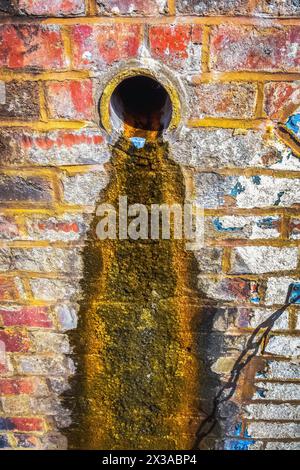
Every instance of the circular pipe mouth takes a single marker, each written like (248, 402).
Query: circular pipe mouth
(136, 99)
(142, 103)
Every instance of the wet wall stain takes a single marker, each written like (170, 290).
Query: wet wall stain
(137, 384)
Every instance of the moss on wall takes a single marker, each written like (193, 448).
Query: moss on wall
(137, 380)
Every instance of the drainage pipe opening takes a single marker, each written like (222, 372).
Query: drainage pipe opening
(140, 103)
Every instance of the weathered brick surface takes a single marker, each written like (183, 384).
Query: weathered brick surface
(280, 370)
(8, 289)
(284, 346)
(273, 445)
(25, 147)
(54, 441)
(84, 188)
(45, 260)
(213, 7)
(234, 289)
(263, 259)
(57, 365)
(281, 96)
(31, 189)
(31, 47)
(209, 259)
(4, 442)
(52, 289)
(229, 318)
(21, 101)
(95, 47)
(7, 7)
(278, 7)
(277, 391)
(27, 441)
(277, 288)
(71, 99)
(242, 227)
(26, 316)
(295, 228)
(248, 48)
(66, 228)
(222, 148)
(14, 341)
(45, 342)
(132, 7)
(8, 227)
(285, 430)
(215, 190)
(21, 424)
(22, 405)
(52, 8)
(251, 318)
(24, 386)
(230, 100)
(178, 46)
(67, 316)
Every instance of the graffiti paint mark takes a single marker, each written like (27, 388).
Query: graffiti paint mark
(279, 196)
(293, 124)
(256, 179)
(237, 189)
(218, 225)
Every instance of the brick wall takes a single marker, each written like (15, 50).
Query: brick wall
(239, 63)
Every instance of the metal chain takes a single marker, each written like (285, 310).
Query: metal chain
(257, 338)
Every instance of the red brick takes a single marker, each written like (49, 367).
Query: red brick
(26, 147)
(65, 227)
(70, 99)
(8, 289)
(52, 7)
(14, 341)
(31, 47)
(230, 100)
(177, 45)
(132, 7)
(16, 386)
(255, 49)
(26, 424)
(27, 316)
(99, 46)
(281, 97)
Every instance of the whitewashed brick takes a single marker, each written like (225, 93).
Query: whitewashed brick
(277, 391)
(84, 188)
(263, 259)
(273, 412)
(267, 430)
(283, 346)
(288, 370)
(283, 445)
(277, 288)
(53, 289)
